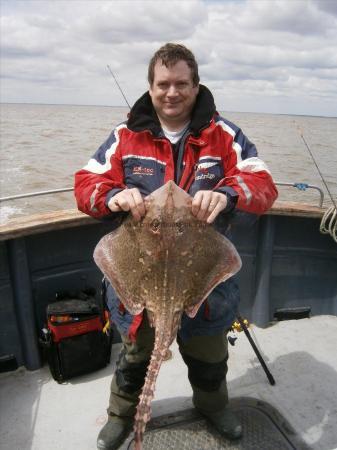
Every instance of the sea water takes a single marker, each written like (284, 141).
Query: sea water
(43, 145)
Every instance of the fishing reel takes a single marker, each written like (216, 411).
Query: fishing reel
(236, 327)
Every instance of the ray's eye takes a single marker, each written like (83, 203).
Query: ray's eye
(155, 225)
(179, 227)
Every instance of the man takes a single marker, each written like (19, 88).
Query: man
(174, 133)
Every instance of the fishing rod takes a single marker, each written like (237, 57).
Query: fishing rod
(320, 173)
(120, 89)
(329, 220)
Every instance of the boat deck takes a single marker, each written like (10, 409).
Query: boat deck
(38, 414)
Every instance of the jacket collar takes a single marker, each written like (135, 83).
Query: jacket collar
(143, 116)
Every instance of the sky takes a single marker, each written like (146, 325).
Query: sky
(274, 56)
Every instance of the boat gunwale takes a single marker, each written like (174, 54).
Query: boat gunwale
(57, 220)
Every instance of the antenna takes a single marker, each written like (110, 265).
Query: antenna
(118, 86)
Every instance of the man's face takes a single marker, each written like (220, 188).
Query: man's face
(173, 94)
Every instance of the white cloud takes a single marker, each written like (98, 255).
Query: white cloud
(297, 17)
(329, 6)
(144, 22)
(250, 52)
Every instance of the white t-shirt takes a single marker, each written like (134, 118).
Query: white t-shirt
(174, 136)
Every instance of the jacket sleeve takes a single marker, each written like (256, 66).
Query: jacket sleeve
(247, 180)
(101, 178)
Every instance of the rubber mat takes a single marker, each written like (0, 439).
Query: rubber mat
(263, 429)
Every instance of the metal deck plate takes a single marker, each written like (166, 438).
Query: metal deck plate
(263, 429)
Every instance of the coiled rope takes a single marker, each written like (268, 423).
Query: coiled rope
(329, 223)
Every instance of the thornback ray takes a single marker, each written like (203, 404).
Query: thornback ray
(167, 263)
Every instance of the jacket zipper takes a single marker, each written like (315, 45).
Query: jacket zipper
(190, 179)
(179, 172)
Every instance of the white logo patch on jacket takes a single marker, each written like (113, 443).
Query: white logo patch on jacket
(206, 165)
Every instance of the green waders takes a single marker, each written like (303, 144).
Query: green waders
(205, 357)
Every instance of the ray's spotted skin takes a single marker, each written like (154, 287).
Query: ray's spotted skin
(168, 263)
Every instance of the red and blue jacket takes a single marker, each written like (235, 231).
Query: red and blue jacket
(213, 154)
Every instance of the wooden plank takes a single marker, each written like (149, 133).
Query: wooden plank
(41, 223)
(281, 208)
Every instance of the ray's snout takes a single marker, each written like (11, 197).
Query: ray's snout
(169, 195)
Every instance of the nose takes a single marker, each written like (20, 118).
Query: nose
(172, 91)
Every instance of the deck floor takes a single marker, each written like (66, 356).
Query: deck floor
(263, 428)
(38, 414)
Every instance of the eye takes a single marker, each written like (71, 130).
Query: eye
(155, 225)
(180, 227)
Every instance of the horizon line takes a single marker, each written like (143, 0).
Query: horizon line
(126, 107)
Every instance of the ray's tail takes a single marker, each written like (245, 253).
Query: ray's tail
(162, 342)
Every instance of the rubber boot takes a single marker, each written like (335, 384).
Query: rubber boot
(114, 433)
(214, 406)
(225, 422)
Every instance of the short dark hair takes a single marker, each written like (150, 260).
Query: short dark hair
(169, 54)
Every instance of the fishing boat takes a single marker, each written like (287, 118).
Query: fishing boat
(288, 287)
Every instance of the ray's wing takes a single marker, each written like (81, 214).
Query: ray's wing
(117, 256)
(212, 260)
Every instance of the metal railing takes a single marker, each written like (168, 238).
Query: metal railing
(304, 187)
(35, 194)
(299, 186)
